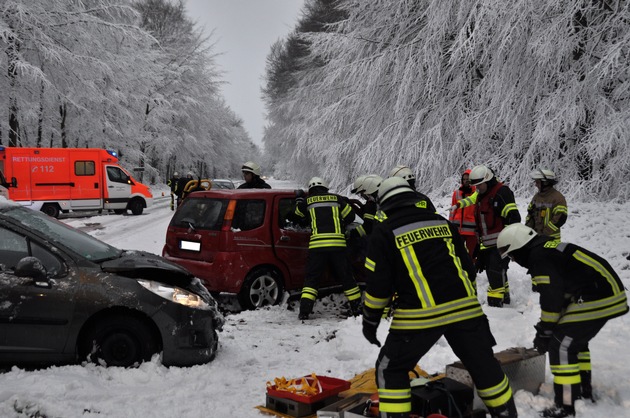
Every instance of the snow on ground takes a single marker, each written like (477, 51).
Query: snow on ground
(257, 346)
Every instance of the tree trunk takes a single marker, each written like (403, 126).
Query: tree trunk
(62, 122)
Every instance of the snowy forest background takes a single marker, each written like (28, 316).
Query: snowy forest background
(357, 87)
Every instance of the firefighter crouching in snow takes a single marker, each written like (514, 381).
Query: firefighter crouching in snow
(419, 255)
(547, 211)
(495, 207)
(579, 293)
(464, 218)
(328, 214)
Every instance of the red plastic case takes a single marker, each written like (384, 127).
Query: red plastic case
(330, 386)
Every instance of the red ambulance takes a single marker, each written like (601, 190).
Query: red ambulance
(56, 180)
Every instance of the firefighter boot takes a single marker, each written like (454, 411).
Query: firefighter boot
(356, 308)
(507, 410)
(495, 302)
(559, 412)
(587, 389)
(306, 307)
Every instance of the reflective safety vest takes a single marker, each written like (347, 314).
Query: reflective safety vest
(329, 214)
(463, 217)
(489, 224)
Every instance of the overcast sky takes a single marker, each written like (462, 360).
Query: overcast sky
(244, 32)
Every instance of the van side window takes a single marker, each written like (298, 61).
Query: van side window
(249, 214)
(116, 175)
(14, 247)
(287, 219)
(84, 168)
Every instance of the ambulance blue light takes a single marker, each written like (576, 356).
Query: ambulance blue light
(112, 153)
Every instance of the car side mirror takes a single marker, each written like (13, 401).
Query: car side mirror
(33, 268)
(13, 182)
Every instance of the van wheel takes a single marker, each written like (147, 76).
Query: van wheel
(51, 209)
(119, 340)
(136, 206)
(261, 287)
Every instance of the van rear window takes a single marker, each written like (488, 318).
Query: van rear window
(200, 213)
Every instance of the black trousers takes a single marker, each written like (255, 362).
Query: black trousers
(338, 262)
(471, 341)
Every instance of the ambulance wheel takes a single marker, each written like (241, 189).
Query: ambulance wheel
(136, 206)
(51, 209)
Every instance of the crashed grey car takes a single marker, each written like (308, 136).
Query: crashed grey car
(66, 297)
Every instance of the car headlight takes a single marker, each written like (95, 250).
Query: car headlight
(175, 294)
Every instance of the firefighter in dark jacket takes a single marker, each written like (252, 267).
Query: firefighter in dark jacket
(172, 183)
(181, 186)
(328, 214)
(579, 293)
(420, 256)
(495, 207)
(405, 172)
(366, 187)
(547, 211)
(251, 175)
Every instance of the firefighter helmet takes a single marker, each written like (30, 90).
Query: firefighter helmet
(176, 174)
(514, 237)
(480, 174)
(402, 171)
(391, 187)
(317, 182)
(371, 183)
(251, 167)
(358, 184)
(543, 174)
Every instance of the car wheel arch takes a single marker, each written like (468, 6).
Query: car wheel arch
(84, 347)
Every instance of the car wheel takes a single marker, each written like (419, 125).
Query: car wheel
(261, 287)
(136, 206)
(122, 341)
(51, 209)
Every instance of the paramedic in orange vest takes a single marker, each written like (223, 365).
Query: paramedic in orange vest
(495, 208)
(464, 218)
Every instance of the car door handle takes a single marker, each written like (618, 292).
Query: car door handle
(285, 238)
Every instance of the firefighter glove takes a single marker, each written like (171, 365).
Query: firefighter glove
(300, 193)
(369, 331)
(480, 262)
(542, 338)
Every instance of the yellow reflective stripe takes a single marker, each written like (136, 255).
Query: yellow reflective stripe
(417, 278)
(374, 302)
(394, 400)
(380, 216)
(588, 311)
(346, 211)
(368, 216)
(309, 293)
(313, 221)
(498, 292)
(468, 201)
(547, 316)
(361, 231)
(560, 209)
(370, 264)
(541, 280)
(597, 266)
(507, 208)
(336, 219)
(463, 275)
(565, 368)
(567, 380)
(497, 395)
(584, 361)
(327, 243)
(353, 294)
(299, 213)
(448, 313)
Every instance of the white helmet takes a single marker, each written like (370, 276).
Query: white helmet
(480, 174)
(543, 174)
(402, 171)
(176, 174)
(317, 182)
(371, 184)
(251, 167)
(392, 186)
(514, 237)
(357, 187)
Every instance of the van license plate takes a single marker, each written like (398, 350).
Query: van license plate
(190, 246)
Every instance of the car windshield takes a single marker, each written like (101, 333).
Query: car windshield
(59, 233)
(200, 213)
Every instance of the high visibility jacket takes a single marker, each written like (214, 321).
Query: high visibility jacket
(547, 212)
(464, 217)
(329, 214)
(495, 209)
(419, 256)
(575, 284)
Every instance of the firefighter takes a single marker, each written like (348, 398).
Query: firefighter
(181, 187)
(464, 218)
(251, 175)
(172, 183)
(579, 293)
(405, 172)
(419, 255)
(328, 214)
(547, 211)
(367, 187)
(495, 207)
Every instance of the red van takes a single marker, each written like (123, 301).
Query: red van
(240, 241)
